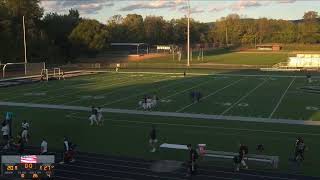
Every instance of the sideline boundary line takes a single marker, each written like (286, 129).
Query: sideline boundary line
(202, 74)
(197, 126)
(165, 114)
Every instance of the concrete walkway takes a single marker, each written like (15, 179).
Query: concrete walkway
(165, 114)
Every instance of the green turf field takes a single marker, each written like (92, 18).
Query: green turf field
(222, 56)
(234, 95)
(230, 94)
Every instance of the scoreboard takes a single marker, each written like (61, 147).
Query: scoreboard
(27, 166)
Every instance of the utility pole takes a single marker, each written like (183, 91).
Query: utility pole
(227, 36)
(255, 41)
(25, 46)
(188, 43)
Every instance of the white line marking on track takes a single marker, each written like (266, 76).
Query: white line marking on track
(243, 97)
(280, 100)
(211, 94)
(148, 163)
(88, 174)
(124, 172)
(70, 178)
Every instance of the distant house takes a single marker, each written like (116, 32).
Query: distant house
(269, 47)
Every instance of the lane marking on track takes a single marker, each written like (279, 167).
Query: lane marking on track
(89, 174)
(123, 172)
(281, 98)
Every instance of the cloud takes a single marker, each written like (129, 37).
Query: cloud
(243, 4)
(155, 4)
(193, 10)
(218, 8)
(287, 1)
(84, 6)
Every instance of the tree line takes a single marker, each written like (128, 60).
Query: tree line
(59, 38)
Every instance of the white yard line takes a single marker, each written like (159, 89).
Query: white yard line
(243, 97)
(67, 86)
(281, 98)
(180, 92)
(211, 94)
(114, 91)
(54, 98)
(180, 116)
(145, 92)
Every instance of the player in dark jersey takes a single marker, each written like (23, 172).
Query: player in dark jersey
(309, 78)
(300, 148)
(153, 139)
(243, 151)
(193, 156)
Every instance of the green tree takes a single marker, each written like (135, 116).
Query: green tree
(14, 10)
(116, 29)
(89, 36)
(154, 28)
(133, 24)
(57, 29)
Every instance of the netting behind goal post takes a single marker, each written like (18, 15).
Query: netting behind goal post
(18, 69)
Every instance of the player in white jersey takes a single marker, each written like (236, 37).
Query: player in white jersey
(44, 146)
(25, 130)
(100, 116)
(94, 116)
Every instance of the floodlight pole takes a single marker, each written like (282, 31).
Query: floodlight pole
(188, 43)
(25, 46)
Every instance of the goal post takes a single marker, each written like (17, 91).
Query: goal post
(57, 73)
(18, 69)
(45, 74)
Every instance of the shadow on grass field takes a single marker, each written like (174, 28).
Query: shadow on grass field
(128, 134)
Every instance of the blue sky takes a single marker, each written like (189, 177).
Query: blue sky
(202, 10)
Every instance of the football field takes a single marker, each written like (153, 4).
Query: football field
(255, 102)
(276, 97)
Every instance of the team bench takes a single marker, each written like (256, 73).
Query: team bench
(265, 159)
